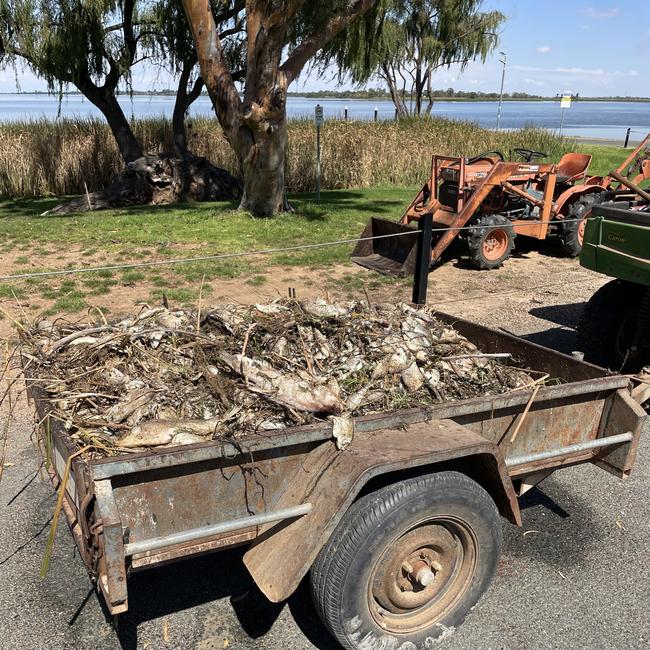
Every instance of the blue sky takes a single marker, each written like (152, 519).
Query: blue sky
(552, 47)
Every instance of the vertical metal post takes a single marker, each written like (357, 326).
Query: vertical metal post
(627, 138)
(318, 162)
(503, 77)
(318, 120)
(376, 114)
(422, 259)
(562, 120)
(345, 113)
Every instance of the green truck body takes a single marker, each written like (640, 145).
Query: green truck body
(614, 329)
(617, 243)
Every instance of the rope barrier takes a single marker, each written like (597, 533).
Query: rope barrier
(227, 256)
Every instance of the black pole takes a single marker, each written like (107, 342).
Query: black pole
(422, 259)
(627, 138)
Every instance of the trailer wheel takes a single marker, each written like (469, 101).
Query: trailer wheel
(407, 563)
(572, 232)
(490, 241)
(608, 324)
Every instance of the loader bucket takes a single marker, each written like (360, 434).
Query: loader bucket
(389, 255)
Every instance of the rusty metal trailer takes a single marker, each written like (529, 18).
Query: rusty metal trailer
(400, 530)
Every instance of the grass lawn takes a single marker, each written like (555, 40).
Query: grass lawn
(30, 242)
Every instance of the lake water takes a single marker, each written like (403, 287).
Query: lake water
(585, 119)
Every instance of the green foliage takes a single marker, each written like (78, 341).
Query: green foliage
(405, 41)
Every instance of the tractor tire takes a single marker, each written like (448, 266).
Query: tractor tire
(490, 242)
(608, 323)
(572, 232)
(407, 563)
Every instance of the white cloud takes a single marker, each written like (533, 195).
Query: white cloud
(534, 82)
(594, 12)
(594, 72)
(544, 49)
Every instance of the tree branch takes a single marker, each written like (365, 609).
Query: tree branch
(212, 62)
(308, 48)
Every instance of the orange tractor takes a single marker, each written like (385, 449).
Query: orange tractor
(487, 201)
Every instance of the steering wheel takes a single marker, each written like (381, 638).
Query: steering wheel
(486, 156)
(529, 155)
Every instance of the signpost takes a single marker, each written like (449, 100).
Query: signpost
(318, 121)
(565, 103)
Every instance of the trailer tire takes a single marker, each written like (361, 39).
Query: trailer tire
(572, 232)
(490, 241)
(444, 526)
(607, 320)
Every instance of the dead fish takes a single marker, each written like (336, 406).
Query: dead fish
(174, 320)
(134, 400)
(230, 316)
(343, 431)
(412, 378)
(363, 397)
(271, 309)
(432, 376)
(153, 433)
(322, 309)
(185, 438)
(286, 388)
(395, 363)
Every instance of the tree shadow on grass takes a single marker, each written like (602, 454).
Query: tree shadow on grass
(305, 204)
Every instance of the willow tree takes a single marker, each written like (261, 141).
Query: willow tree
(413, 39)
(255, 124)
(90, 44)
(94, 44)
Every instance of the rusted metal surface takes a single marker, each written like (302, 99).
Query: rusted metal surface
(161, 492)
(330, 480)
(176, 551)
(112, 572)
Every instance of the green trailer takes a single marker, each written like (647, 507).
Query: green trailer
(614, 330)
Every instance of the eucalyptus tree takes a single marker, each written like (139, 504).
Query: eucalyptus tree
(282, 36)
(409, 41)
(174, 49)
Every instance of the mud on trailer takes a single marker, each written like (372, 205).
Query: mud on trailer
(400, 532)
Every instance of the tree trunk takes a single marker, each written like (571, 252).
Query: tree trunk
(107, 103)
(184, 100)
(262, 164)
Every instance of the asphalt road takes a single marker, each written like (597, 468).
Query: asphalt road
(576, 575)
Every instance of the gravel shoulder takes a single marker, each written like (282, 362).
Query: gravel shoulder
(575, 575)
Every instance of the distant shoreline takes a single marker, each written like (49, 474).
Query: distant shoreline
(355, 95)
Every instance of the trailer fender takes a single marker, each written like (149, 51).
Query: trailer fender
(330, 480)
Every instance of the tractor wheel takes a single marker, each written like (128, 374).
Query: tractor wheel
(407, 563)
(490, 241)
(609, 323)
(572, 232)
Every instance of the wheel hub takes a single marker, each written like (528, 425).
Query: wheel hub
(415, 577)
(495, 244)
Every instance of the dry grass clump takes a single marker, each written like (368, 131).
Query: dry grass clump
(41, 157)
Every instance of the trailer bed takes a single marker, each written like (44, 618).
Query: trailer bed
(134, 511)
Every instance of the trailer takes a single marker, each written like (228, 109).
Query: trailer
(400, 531)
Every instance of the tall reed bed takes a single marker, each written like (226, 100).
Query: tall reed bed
(41, 157)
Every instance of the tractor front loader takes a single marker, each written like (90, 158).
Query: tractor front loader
(487, 201)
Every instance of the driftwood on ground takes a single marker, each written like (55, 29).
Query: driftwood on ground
(159, 179)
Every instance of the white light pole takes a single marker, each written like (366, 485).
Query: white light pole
(503, 77)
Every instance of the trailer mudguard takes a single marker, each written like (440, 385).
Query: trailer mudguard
(330, 480)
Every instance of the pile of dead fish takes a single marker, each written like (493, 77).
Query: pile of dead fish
(170, 377)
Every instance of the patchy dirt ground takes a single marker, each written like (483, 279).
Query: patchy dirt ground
(519, 293)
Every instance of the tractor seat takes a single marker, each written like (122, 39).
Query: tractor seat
(572, 167)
